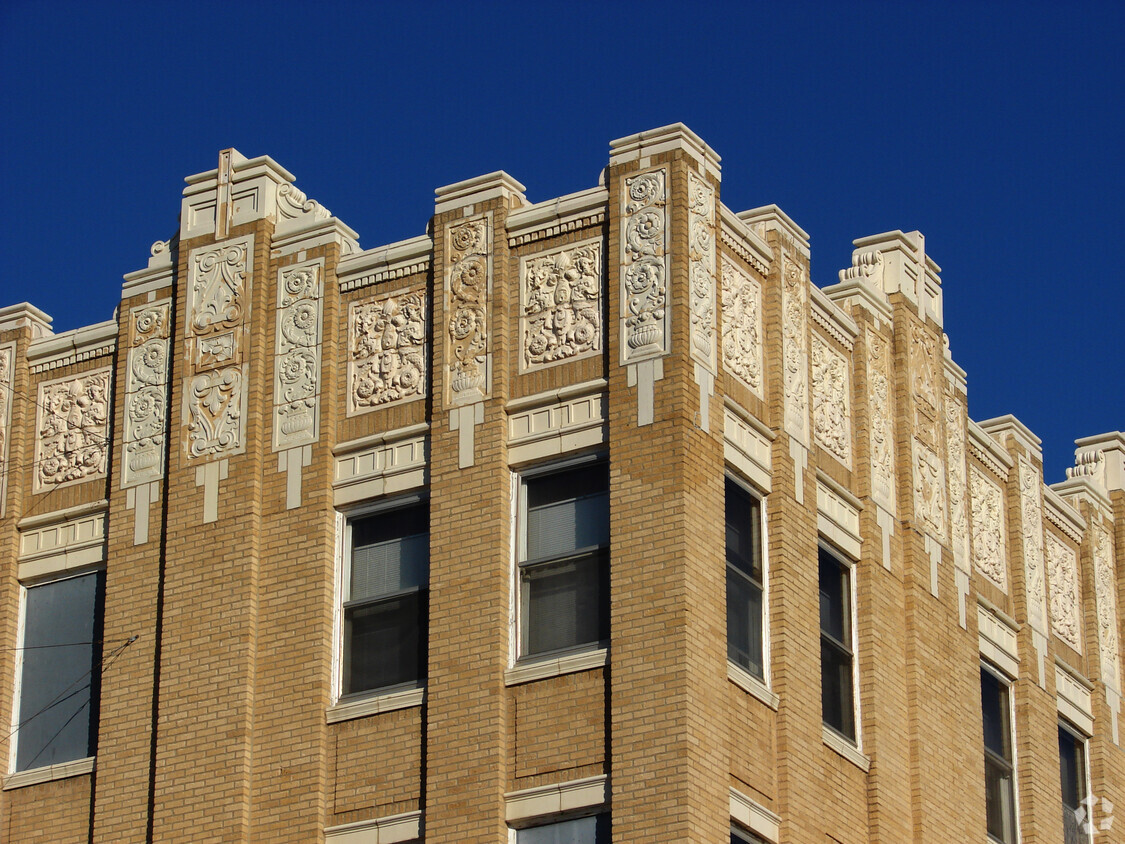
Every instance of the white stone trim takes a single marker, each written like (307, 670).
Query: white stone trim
(643, 145)
(1062, 515)
(379, 465)
(1002, 427)
(751, 684)
(753, 816)
(387, 830)
(771, 218)
(1073, 693)
(26, 315)
(54, 351)
(375, 703)
(557, 798)
(62, 541)
(988, 451)
(837, 515)
(743, 242)
(469, 192)
(541, 669)
(47, 773)
(549, 424)
(572, 212)
(386, 263)
(746, 445)
(829, 316)
(843, 747)
(997, 634)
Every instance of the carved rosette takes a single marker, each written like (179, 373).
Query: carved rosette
(218, 307)
(923, 358)
(831, 393)
(1031, 519)
(560, 305)
(72, 427)
(1105, 591)
(880, 397)
(794, 347)
(146, 394)
(7, 377)
(468, 282)
(386, 351)
(701, 269)
(742, 326)
(1062, 572)
(989, 546)
(929, 489)
(644, 266)
(958, 488)
(296, 383)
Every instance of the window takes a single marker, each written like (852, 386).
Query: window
(744, 580)
(836, 660)
(741, 836)
(1072, 773)
(563, 575)
(593, 830)
(59, 671)
(999, 772)
(385, 607)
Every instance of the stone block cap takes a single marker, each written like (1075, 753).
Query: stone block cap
(480, 189)
(653, 141)
(1001, 427)
(26, 315)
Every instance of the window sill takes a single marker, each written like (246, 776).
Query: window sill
(375, 703)
(749, 683)
(48, 773)
(555, 666)
(845, 748)
(393, 828)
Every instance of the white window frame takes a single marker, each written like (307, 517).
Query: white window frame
(1084, 740)
(1009, 681)
(370, 701)
(836, 740)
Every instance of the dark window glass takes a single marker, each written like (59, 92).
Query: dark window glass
(836, 663)
(59, 680)
(593, 830)
(744, 579)
(999, 786)
(386, 611)
(741, 836)
(564, 579)
(1072, 773)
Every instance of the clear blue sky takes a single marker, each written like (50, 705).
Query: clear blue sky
(996, 129)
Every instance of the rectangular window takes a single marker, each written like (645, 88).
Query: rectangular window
(744, 580)
(385, 607)
(999, 771)
(1072, 773)
(594, 830)
(742, 836)
(836, 659)
(563, 571)
(59, 669)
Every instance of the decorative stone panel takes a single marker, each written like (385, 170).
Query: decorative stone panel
(644, 266)
(1062, 573)
(742, 326)
(929, 489)
(956, 458)
(386, 351)
(468, 286)
(794, 347)
(296, 385)
(881, 399)
(1031, 520)
(1105, 591)
(146, 393)
(7, 376)
(988, 531)
(72, 428)
(831, 393)
(924, 356)
(560, 305)
(701, 270)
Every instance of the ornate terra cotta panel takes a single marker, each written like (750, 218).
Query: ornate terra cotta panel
(1062, 572)
(560, 305)
(146, 393)
(881, 398)
(219, 280)
(929, 489)
(644, 267)
(1031, 519)
(7, 377)
(296, 386)
(958, 486)
(831, 393)
(72, 428)
(988, 531)
(924, 357)
(742, 326)
(468, 285)
(701, 270)
(794, 347)
(1105, 593)
(386, 351)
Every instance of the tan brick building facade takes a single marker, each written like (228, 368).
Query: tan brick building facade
(422, 542)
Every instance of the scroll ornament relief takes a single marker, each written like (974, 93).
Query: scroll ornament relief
(988, 528)
(1105, 584)
(469, 251)
(742, 326)
(923, 354)
(5, 411)
(146, 394)
(386, 351)
(216, 412)
(73, 429)
(297, 364)
(955, 449)
(929, 489)
(882, 440)
(644, 266)
(701, 258)
(1062, 570)
(219, 280)
(794, 346)
(1031, 512)
(561, 317)
(831, 402)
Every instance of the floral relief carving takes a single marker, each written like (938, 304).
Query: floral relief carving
(882, 437)
(146, 394)
(386, 351)
(297, 363)
(955, 450)
(929, 489)
(1105, 586)
(701, 269)
(6, 379)
(216, 412)
(988, 528)
(1062, 571)
(560, 305)
(794, 348)
(468, 280)
(644, 265)
(831, 400)
(742, 326)
(218, 286)
(923, 354)
(73, 430)
(1031, 513)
